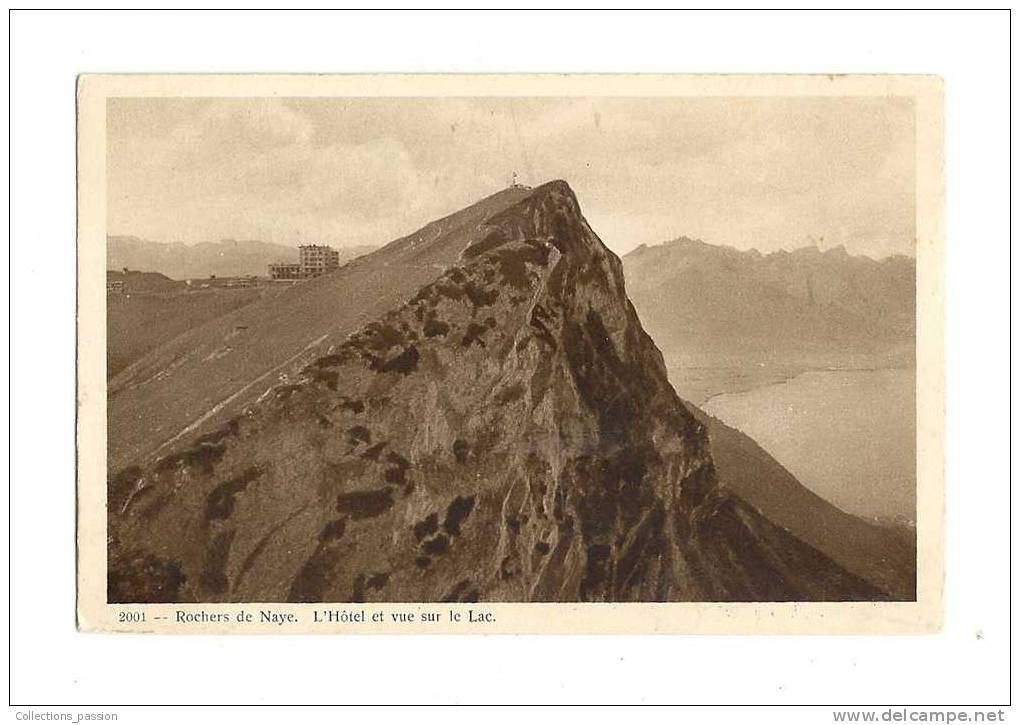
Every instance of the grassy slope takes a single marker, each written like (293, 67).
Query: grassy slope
(140, 323)
(209, 373)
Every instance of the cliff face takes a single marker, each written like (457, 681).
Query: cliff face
(507, 434)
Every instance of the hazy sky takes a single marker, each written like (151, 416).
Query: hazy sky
(769, 173)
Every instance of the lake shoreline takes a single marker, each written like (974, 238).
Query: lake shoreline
(847, 433)
(793, 375)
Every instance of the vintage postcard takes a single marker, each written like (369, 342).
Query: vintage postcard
(510, 354)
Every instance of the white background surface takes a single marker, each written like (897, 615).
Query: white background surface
(55, 668)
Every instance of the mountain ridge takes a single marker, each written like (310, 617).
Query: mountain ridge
(805, 250)
(504, 433)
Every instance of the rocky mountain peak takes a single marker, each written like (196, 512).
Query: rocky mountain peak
(507, 433)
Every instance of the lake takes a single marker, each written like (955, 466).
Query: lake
(848, 435)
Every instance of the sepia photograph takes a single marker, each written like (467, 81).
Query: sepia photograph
(512, 349)
(518, 357)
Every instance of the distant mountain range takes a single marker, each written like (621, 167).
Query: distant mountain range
(707, 304)
(226, 258)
